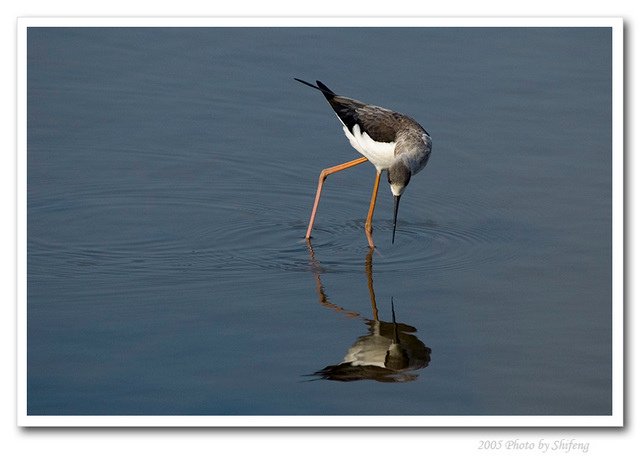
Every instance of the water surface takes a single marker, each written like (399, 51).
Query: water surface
(171, 173)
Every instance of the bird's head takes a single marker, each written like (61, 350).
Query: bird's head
(399, 176)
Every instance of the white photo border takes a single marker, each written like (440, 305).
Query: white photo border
(616, 419)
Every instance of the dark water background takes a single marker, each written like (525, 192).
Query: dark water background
(171, 173)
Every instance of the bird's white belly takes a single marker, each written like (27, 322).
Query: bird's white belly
(381, 154)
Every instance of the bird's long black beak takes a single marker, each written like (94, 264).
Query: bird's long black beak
(396, 202)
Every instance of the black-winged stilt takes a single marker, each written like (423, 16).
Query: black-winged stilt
(393, 142)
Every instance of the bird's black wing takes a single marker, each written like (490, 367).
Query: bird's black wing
(380, 124)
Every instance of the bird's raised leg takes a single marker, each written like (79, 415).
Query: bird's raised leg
(368, 226)
(323, 176)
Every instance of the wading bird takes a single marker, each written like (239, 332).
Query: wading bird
(391, 141)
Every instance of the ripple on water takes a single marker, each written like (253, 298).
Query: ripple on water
(458, 237)
(241, 221)
(202, 238)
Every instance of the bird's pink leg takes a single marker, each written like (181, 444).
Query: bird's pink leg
(368, 226)
(323, 176)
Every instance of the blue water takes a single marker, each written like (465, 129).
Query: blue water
(171, 174)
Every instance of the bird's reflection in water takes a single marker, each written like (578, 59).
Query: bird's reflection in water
(390, 352)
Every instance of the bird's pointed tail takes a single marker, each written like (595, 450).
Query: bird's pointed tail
(321, 87)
